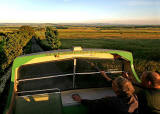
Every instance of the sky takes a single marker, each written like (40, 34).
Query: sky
(80, 11)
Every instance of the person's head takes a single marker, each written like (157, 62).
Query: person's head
(122, 86)
(150, 79)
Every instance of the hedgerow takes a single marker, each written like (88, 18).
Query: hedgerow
(13, 45)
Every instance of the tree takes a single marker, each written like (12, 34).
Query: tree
(12, 45)
(52, 38)
(61, 27)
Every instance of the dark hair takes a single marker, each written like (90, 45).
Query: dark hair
(153, 77)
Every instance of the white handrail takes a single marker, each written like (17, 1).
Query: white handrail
(45, 77)
(38, 90)
(62, 75)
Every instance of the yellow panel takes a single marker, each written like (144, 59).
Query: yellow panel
(37, 98)
(41, 97)
(41, 59)
(27, 99)
(67, 56)
(77, 48)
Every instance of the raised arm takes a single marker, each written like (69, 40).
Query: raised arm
(105, 76)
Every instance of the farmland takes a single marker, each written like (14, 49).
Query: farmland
(124, 33)
(145, 51)
(142, 41)
(109, 32)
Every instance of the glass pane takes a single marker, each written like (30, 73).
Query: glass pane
(46, 69)
(94, 65)
(62, 83)
(91, 81)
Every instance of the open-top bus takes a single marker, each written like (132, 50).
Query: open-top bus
(43, 83)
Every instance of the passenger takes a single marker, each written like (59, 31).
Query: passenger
(124, 103)
(149, 96)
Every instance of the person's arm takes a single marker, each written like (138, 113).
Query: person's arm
(105, 76)
(77, 98)
(126, 75)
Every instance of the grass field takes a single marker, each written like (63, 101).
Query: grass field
(141, 48)
(142, 41)
(145, 51)
(98, 32)
(114, 33)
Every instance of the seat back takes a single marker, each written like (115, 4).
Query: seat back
(49, 103)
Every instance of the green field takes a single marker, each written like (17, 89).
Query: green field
(145, 51)
(95, 31)
(112, 33)
(142, 41)
(123, 32)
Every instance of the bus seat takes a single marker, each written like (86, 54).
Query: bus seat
(49, 103)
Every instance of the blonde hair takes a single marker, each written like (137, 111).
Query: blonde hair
(123, 86)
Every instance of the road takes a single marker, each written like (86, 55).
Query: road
(35, 47)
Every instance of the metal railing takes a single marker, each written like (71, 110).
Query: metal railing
(38, 92)
(63, 75)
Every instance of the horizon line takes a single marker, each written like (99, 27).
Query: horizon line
(75, 23)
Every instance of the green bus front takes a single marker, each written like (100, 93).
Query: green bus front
(43, 83)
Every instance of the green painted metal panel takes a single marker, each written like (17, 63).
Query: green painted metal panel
(17, 62)
(128, 56)
(24, 59)
(29, 105)
(75, 109)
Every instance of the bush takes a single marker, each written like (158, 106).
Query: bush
(142, 65)
(61, 27)
(52, 38)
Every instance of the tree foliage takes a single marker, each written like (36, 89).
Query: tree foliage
(61, 27)
(13, 46)
(52, 38)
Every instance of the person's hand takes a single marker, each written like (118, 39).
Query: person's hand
(117, 56)
(76, 97)
(125, 75)
(103, 73)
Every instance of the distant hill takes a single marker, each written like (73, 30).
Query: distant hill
(74, 24)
